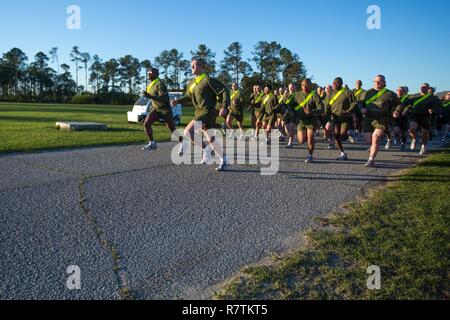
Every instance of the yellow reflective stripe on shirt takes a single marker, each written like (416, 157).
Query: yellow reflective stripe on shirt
(304, 102)
(280, 99)
(375, 97)
(258, 99)
(422, 99)
(267, 98)
(357, 93)
(152, 84)
(234, 94)
(197, 81)
(336, 96)
(403, 99)
(446, 104)
(290, 98)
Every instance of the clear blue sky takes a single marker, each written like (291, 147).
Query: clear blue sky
(331, 37)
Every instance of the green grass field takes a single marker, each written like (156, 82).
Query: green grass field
(404, 228)
(30, 127)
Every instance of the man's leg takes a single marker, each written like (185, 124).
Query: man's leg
(189, 132)
(253, 121)
(170, 124)
(425, 139)
(376, 137)
(445, 131)
(214, 144)
(271, 121)
(151, 117)
(301, 136)
(259, 121)
(413, 132)
(229, 123)
(337, 135)
(426, 126)
(290, 127)
(328, 129)
(311, 141)
(343, 130)
(240, 124)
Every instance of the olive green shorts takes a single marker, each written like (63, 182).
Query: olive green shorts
(343, 122)
(447, 116)
(261, 116)
(423, 121)
(375, 122)
(304, 124)
(325, 119)
(208, 119)
(270, 119)
(237, 114)
(165, 114)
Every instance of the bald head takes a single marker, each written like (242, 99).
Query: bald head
(379, 82)
(401, 91)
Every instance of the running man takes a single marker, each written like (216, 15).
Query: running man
(203, 91)
(251, 107)
(267, 115)
(356, 114)
(255, 106)
(377, 104)
(306, 105)
(420, 109)
(161, 109)
(339, 105)
(236, 110)
(289, 115)
(399, 119)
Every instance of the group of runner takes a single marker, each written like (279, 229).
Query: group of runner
(343, 114)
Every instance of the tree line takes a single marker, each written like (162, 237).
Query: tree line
(119, 81)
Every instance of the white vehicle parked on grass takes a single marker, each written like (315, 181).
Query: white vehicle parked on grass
(143, 106)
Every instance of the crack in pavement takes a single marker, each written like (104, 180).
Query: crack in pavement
(119, 269)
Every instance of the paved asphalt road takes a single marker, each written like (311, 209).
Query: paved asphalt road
(133, 220)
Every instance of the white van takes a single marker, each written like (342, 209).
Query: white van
(143, 106)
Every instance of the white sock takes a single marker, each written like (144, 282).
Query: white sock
(371, 159)
(342, 154)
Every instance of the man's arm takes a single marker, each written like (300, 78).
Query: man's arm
(319, 105)
(353, 103)
(221, 91)
(360, 103)
(183, 100)
(395, 103)
(162, 94)
(437, 105)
